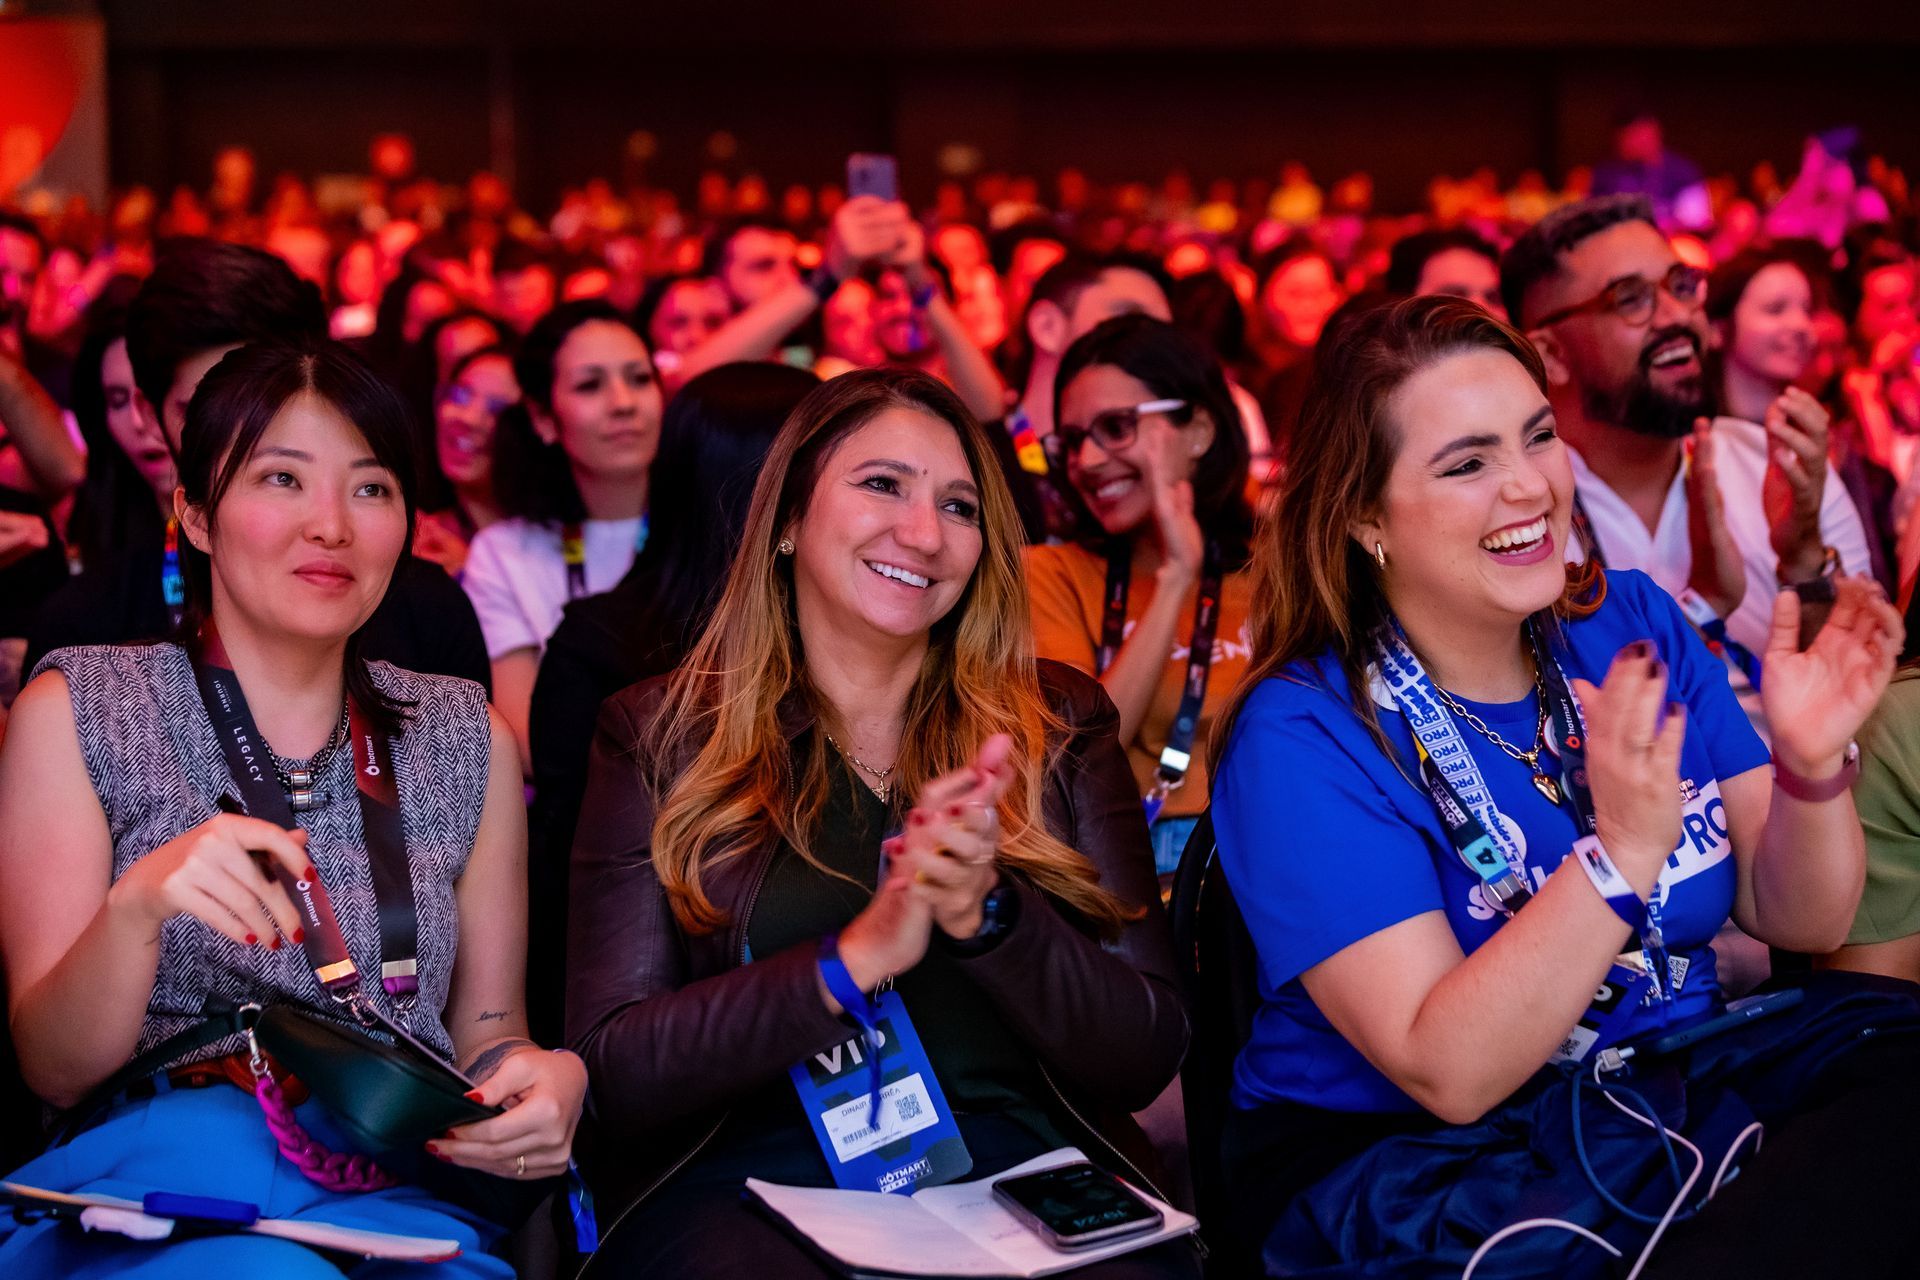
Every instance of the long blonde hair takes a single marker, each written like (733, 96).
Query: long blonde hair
(741, 790)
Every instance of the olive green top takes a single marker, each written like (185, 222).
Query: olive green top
(1887, 794)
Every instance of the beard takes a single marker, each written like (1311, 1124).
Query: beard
(1648, 410)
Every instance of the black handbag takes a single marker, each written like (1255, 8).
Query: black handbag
(386, 1092)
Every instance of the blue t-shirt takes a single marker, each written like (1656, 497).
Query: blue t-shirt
(1326, 843)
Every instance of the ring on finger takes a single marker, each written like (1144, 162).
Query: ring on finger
(519, 1166)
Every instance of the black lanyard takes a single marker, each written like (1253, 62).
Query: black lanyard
(1178, 753)
(377, 784)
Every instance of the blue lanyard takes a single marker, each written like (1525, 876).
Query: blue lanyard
(863, 1008)
(1452, 778)
(1466, 804)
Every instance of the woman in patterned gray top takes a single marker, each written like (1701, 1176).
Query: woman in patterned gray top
(129, 903)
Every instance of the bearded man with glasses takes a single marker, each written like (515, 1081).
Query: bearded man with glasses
(1620, 323)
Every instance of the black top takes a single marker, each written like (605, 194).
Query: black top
(425, 624)
(603, 644)
(30, 582)
(983, 1067)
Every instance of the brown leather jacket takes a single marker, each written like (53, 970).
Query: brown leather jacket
(675, 1027)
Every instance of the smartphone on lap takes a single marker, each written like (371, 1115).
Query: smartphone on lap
(1076, 1206)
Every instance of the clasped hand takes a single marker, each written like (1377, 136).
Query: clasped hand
(938, 870)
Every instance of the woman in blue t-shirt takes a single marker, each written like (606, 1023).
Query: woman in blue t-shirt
(1437, 714)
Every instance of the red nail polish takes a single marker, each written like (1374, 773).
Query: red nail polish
(273, 943)
(310, 874)
(253, 939)
(299, 935)
(953, 811)
(917, 818)
(473, 1095)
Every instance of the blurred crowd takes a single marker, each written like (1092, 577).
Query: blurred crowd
(420, 272)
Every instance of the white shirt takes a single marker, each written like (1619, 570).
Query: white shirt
(516, 575)
(1666, 554)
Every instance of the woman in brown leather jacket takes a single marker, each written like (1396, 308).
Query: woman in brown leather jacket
(868, 670)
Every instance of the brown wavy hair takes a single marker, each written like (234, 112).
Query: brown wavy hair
(1315, 590)
(742, 790)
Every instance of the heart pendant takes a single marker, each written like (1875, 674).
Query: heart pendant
(1547, 787)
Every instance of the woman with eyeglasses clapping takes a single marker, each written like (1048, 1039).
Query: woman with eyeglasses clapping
(1151, 443)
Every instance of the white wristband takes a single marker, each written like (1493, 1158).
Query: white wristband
(1614, 887)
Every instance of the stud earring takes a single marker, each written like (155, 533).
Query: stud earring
(786, 547)
(1380, 555)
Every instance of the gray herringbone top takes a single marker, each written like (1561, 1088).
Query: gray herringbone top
(157, 767)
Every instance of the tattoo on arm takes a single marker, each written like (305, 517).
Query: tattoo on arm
(489, 1062)
(492, 1015)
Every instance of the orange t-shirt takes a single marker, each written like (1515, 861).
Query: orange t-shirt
(1067, 585)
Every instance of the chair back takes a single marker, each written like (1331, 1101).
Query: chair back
(1220, 967)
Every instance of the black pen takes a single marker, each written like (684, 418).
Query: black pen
(227, 803)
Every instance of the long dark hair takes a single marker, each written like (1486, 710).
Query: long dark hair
(233, 407)
(531, 478)
(1177, 366)
(113, 510)
(714, 438)
(1315, 591)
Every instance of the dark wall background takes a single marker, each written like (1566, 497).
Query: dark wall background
(1123, 88)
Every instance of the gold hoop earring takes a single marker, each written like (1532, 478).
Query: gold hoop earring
(786, 547)
(1380, 555)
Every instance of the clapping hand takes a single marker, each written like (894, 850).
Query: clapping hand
(952, 836)
(1719, 573)
(1633, 761)
(1169, 462)
(1796, 481)
(1817, 698)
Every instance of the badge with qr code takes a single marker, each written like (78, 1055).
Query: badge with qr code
(912, 1141)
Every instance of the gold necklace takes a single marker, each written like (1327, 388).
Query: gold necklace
(1542, 783)
(879, 785)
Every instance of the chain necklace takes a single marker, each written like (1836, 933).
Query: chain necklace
(298, 779)
(879, 786)
(1542, 783)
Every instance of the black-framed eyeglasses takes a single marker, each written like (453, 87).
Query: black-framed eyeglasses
(1111, 429)
(1632, 299)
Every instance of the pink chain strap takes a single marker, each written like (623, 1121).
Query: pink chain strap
(324, 1168)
